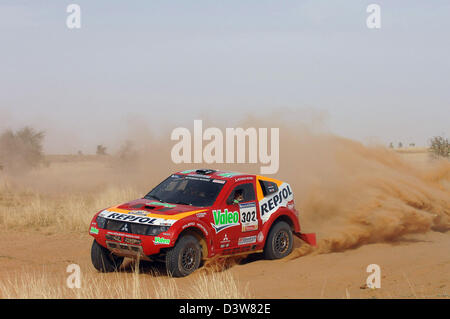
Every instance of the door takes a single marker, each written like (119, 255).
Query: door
(237, 222)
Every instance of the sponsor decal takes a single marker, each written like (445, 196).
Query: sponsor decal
(225, 239)
(249, 220)
(247, 240)
(271, 203)
(260, 237)
(165, 224)
(188, 171)
(228, 174)
(127, 217)
(225, 242)
(200, 215)
(219, 181)
(199, 176)
(94, 230)
(161, 241)
(244, 178)
(203, 228)
(119, 234)
(249, 228)
(225, 219)
(188, 225)
(138, 212)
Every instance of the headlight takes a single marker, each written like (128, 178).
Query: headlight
(156, 230)
(101, 221)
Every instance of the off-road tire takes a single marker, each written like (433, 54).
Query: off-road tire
(103, 260)
(184, 258)
(279, 242)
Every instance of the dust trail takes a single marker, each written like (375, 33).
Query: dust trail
(353, 195)
(220, 263)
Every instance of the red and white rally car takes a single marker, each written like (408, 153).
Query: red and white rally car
(198, 214)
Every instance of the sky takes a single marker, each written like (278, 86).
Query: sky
(165, 63)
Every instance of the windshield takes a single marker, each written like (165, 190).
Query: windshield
(187, 190)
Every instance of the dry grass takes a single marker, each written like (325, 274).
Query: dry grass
(69, 212)
(134, 285)
(219, 285)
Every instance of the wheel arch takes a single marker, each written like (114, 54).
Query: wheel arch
(201, 237)
(280, 217)
(284, 218)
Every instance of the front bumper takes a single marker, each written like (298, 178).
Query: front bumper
(131, 245)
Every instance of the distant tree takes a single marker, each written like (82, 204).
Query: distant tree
(391, 145)
(439, 147)
(21, 150)
(412, 144)
(101, 150)
(400, 144)
(127, 151)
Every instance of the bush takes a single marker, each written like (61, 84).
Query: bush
(101, 150)
(439, 147)
(127, 151)
(21, 150)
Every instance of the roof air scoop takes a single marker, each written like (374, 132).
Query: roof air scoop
(205, 171)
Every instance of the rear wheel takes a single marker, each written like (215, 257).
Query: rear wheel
(185, 257)
(279, 241)
(103, 260)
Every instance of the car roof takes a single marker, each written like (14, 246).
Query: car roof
(211, 173)
(225, 175)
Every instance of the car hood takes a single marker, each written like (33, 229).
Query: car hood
(154, 208)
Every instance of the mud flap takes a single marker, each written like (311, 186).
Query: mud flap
(308, 238)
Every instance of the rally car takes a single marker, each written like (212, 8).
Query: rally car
(194, 215)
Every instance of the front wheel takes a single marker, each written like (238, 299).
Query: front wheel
(184, 258)
(279, 241)
(103, 260)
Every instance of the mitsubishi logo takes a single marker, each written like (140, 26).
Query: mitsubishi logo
(124, 228)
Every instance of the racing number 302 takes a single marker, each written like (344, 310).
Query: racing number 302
(247, 217)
